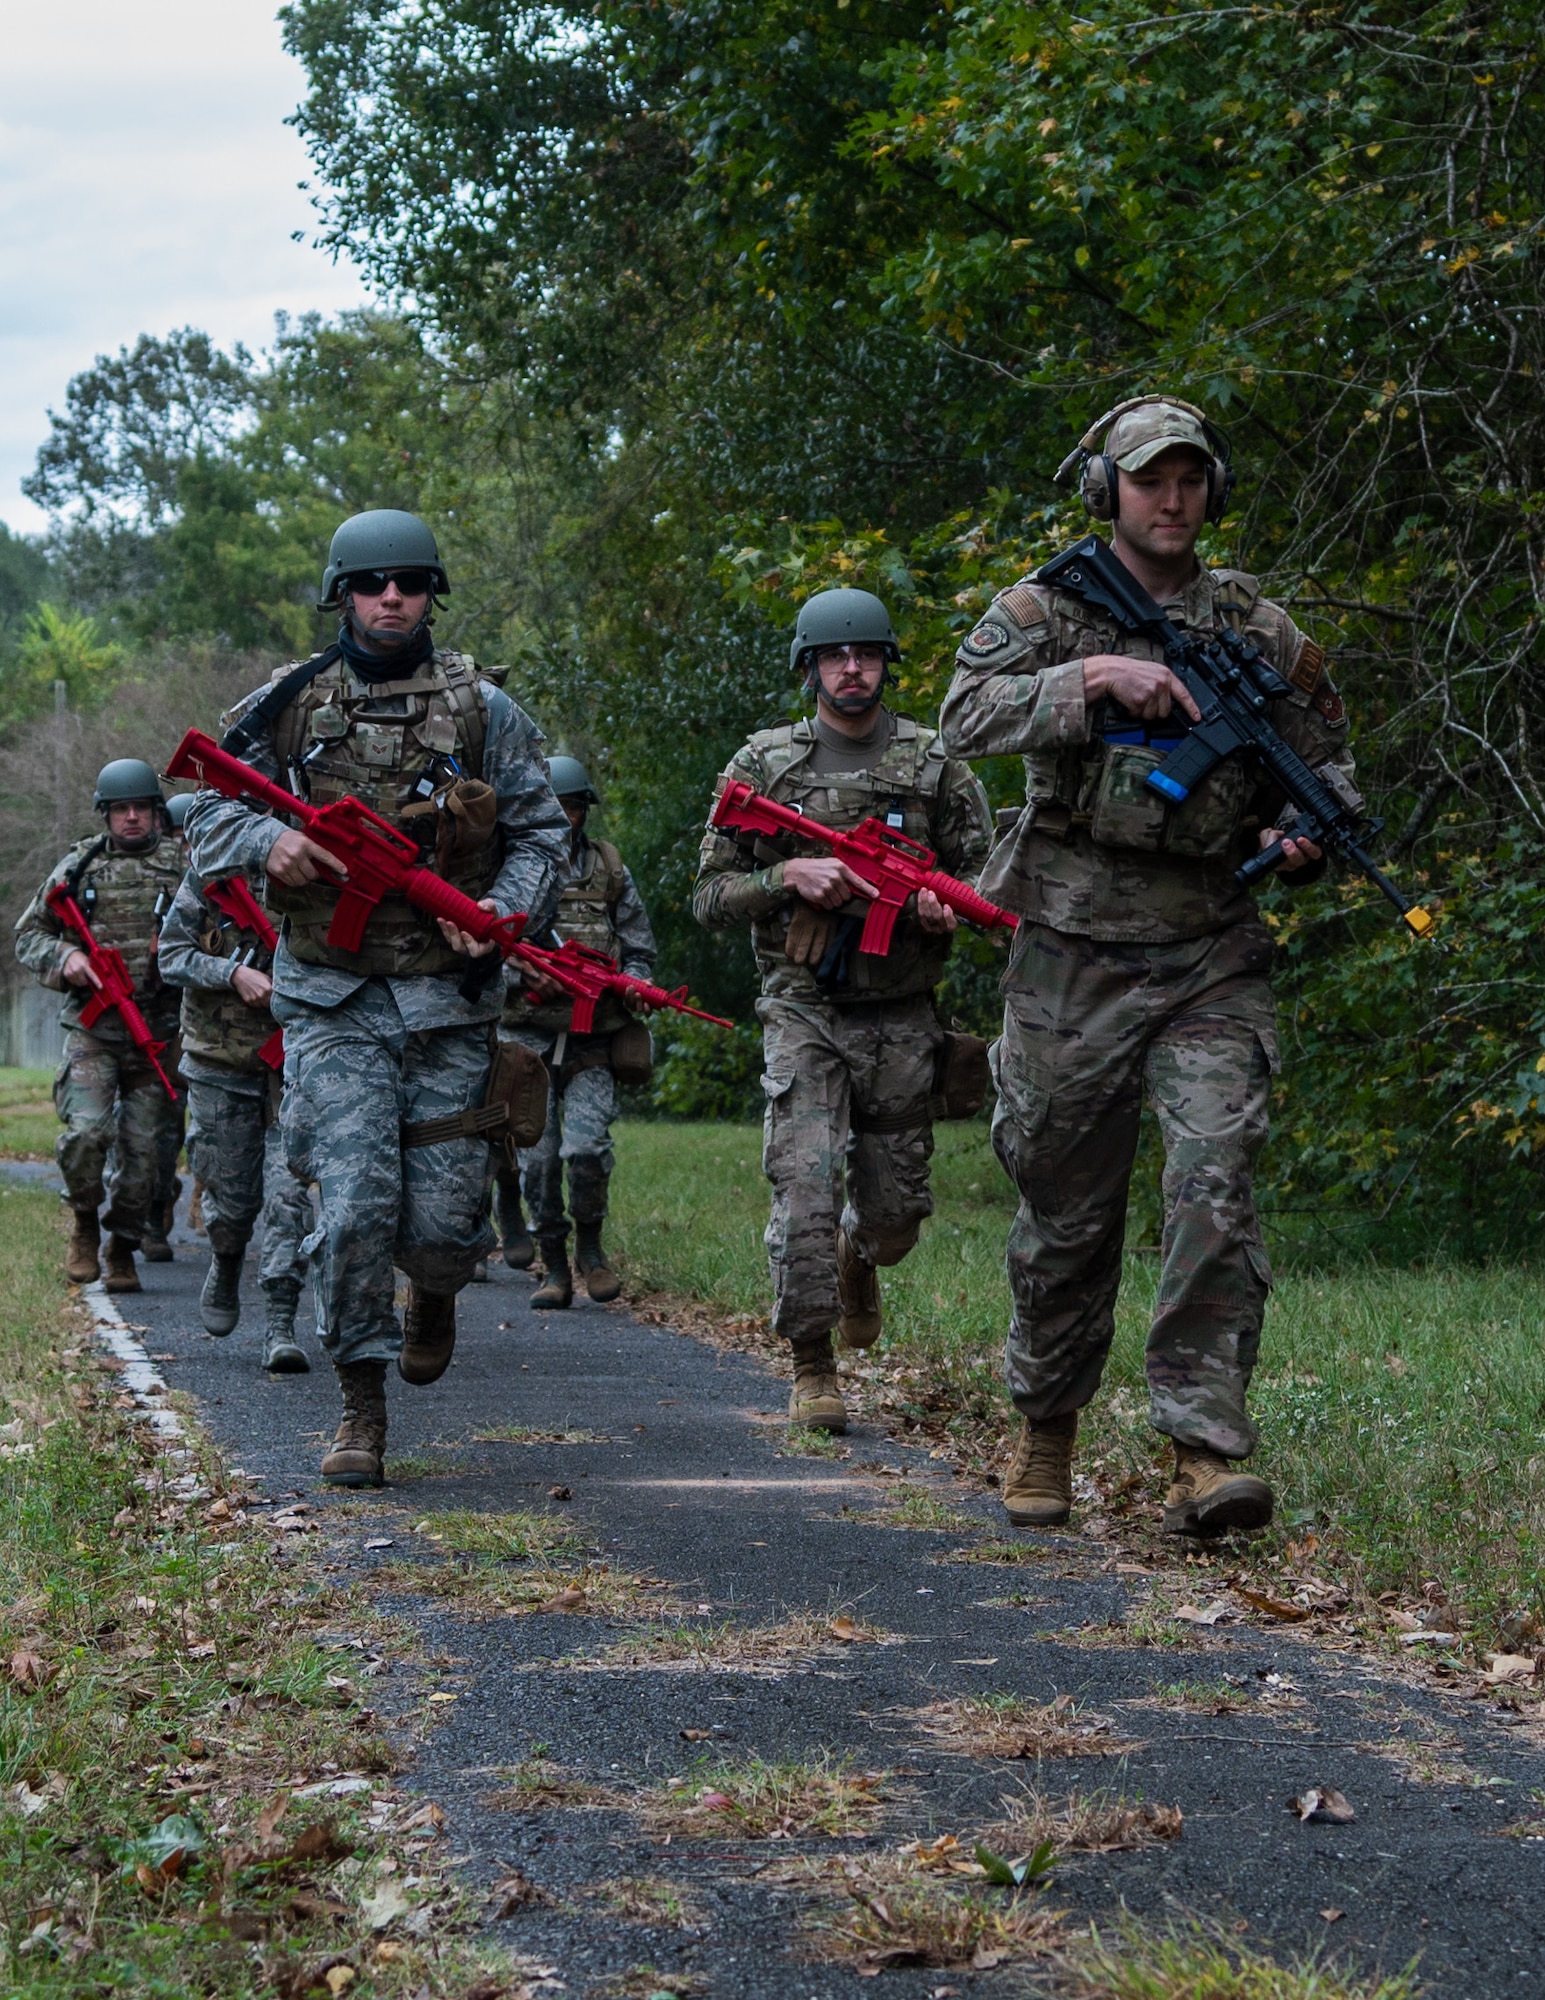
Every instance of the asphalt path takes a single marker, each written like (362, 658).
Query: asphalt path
(687, 1482)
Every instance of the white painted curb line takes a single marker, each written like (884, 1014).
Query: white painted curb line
(138, 1375)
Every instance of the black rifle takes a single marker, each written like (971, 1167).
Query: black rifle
(1231, 681)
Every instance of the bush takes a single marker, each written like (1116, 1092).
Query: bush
(708, 1073)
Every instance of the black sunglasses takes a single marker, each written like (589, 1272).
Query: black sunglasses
(372, 582)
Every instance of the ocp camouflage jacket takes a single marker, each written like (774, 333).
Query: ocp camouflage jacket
(118, 894)
(1094, 851)
(915, 787)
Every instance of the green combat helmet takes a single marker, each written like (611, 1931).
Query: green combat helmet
(384, 538)
(177, 809)
(124, 779)
(841, 618)
(569, 779)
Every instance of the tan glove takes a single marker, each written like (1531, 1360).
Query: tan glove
(810, 933)
(468, 821)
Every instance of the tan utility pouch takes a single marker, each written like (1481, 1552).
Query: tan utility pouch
(632, 1054)
(1128, 814)
(467, 823)
(960, 1077)
(513, 1112)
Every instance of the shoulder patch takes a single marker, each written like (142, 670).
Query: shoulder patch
(1329, 704)
(1022, 605)
(988, 637)
(1309, 667)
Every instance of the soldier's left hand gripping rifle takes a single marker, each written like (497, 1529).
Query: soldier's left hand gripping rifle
(381, 861)
(1231, 681)
(232, 898)
(112, 990)
(896, 867)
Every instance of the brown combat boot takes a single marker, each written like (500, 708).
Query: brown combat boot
(816, 1397)
(858, 1292)
(1038, 1481)
(556, 1290)
(518, 1249)
(1208, 1495)
(428, 1336)
(81, 1266)
(601, 1281)
(359, 1450)
(122, 1275)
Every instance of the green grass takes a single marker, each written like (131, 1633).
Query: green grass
(1402, 1411)
(28, 1122)
(161, 1682)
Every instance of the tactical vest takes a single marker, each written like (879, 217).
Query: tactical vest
(901, 791)
(217, 1024)
(586, 911)
(1100, 784)
(118, 895)
(397, 746)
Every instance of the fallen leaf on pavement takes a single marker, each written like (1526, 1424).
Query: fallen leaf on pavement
(512, 1892)
(380, 1542)
(1333, 1916)
(1323, 1802)
(696, 1735)
(1290, 1614)
(844, 1628)
(570, 1599)
(1214, 1614)
(429, 1815)
(560, 1492)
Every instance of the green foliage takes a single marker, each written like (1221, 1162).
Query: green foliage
(56, 645)
(702, 1072)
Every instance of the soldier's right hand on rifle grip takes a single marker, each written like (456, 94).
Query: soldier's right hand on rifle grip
(827, 884)
(295, 860)
(1144, 688)
(76, 971)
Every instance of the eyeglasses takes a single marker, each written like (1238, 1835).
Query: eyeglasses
(373, 582)
(861, 655)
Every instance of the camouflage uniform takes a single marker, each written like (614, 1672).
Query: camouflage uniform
(382, 1037)
(106, 1094)
(848, 1065)
(1139, 964)
(600, 907)
(234, 1147)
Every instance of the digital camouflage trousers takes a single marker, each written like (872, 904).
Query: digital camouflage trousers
(1087, 1029)
(235, 1150)
(828, 1070)
(354, 1075)
(577, 1136)
(108, 1099)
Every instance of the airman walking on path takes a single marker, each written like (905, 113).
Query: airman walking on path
(393, 1036)
(851, 1039)
(107, 1092)
(1139, 965)
(600, 908)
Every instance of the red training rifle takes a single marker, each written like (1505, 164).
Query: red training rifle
(897, 867)
(232, 898)
(381, 861)
(112, 987)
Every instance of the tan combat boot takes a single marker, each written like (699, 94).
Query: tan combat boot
(428, 1336)
(1208, 1495)
(816, 1398)
(81, 1266)
(858, 1293)
(122, 1275)
(359, 1450)
(1038, 1481)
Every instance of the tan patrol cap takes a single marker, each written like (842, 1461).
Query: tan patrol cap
(1141, 434)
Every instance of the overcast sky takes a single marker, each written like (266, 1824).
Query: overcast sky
(147, 181)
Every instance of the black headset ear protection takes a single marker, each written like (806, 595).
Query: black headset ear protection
(1098, 486)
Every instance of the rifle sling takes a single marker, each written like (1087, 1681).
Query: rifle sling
(244, 734)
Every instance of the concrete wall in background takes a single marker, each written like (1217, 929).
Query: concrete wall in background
(30, 1034)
